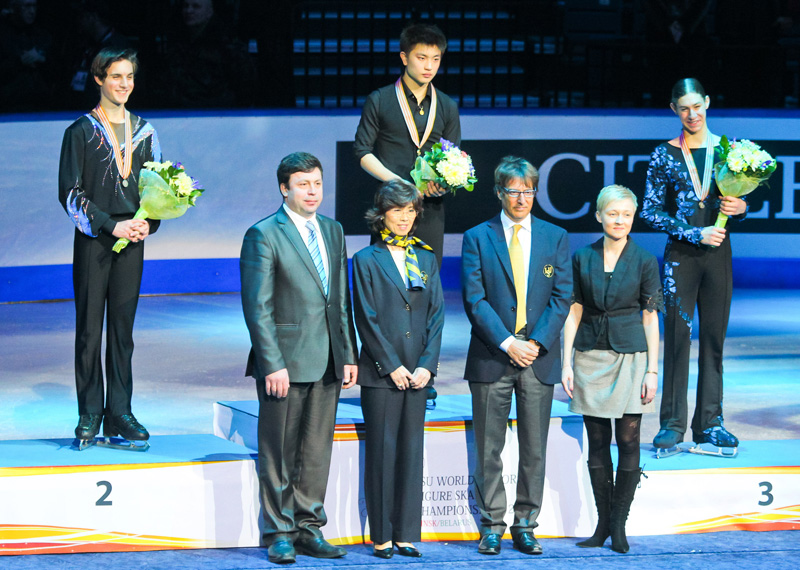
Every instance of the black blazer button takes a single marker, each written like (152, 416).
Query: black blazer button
(408, 335)
(513, 309)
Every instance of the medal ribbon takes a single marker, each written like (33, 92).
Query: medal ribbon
(124, 162)
(409, 117)
(415, 280)
(700, 189)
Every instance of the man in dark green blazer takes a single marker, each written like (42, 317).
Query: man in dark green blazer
(296, 302)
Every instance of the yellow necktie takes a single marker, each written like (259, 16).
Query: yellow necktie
(518, 268)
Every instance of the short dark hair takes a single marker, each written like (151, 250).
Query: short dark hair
(108, 55)
(425, 34)
(395, 193)
(685, 87)
(514, 168)
(296, 162)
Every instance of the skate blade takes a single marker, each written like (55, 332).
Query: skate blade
(85, 443)
(714, 451)
(123, 444)
(663, 452)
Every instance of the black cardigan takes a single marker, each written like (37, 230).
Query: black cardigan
(635, 286)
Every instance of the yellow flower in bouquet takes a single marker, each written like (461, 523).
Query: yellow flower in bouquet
(743, 168)
(165, 192)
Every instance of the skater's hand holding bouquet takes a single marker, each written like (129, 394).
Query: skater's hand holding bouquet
(165, 192)
(744, 167)
(446, 165)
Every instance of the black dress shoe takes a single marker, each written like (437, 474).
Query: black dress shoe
(88, 426)
(489, 544)
(409, 551)
(384, 553)
(281, 552)
(318, 548)
(526, 543)
(126, 427)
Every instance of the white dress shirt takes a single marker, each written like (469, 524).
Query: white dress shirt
(399, 258)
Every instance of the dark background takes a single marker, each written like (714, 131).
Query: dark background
(502, 53)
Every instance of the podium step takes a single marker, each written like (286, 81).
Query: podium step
(757, 490)
(449, 511)
(187, 491)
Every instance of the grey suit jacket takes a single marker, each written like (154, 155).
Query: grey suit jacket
(490, 299)
(396, 326)
(291, 321)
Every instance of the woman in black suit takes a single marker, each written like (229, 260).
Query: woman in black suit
(399, 313)
(613, 327)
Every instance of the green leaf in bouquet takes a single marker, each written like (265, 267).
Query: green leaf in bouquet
(726, 146)
(193, 196)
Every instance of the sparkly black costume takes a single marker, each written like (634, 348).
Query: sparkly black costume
(694, 275)
(91, 191)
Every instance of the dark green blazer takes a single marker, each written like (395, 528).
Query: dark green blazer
(291, 322)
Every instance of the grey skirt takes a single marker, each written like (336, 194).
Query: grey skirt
(608, 384)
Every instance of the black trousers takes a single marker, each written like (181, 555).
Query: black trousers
(431, 226)
(695, 276)
(295, 439)
(491, 405)
(395, 427)
(106, 285)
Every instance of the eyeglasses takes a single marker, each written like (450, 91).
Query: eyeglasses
(528, 192)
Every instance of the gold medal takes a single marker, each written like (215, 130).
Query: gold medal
(125, 182)
(702, 205)
(421, 111)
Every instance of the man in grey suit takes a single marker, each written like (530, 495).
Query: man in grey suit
(516, 282)
(296, 302)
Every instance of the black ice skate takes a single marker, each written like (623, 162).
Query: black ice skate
(124, 432)
(716, 441)
(666, 443)
(87, 429)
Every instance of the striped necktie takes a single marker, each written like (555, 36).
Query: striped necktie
(316, 256)
(518, 269)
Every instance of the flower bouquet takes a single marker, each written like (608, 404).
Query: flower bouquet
(165, 192)
(744, 166)
(447, 165)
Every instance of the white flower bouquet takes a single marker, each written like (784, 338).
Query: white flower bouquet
(743, 168)
(446, 165)
(165, 192)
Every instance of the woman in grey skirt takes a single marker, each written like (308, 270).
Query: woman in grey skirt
(613, 328)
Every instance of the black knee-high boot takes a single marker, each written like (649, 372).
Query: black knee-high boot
(624, 489)
(602, 479)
